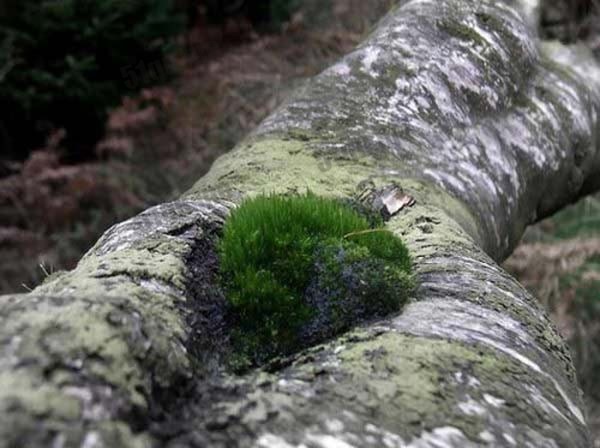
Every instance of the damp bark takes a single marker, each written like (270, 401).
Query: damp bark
(459, 103)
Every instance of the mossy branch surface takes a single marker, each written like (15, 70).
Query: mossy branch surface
(300, 268)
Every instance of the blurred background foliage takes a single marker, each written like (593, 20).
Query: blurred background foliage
(559, 262)
(110, 106)
(64, 63)
(265, 15)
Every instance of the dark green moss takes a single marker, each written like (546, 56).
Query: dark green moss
(298, 269)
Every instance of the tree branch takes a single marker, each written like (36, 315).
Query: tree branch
(455, 101)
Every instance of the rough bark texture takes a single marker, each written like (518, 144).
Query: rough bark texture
(458, 103)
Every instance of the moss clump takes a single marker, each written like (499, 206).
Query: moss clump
(300, 268)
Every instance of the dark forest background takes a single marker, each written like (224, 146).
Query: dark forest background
(109, 106)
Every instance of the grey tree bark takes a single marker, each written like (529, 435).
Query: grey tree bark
(455, 101)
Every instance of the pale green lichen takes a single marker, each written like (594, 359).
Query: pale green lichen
(277, 165)
(97, 330)
(414, 380)
(291, 166)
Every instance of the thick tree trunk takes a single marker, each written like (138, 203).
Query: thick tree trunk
(456, 102)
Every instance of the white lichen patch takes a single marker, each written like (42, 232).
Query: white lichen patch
(470, 323)
(334, 425)
(493, 401)
(370, 55)
(487, 437)
(471, 407)
(470, 381)
(340, 69)
(538, 398)
(509, 439)
(577, 413)
(92, 440)
(273, 441)
(327, 441)
(388, 439)
(443, 437)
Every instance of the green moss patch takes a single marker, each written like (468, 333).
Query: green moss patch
(298, 269)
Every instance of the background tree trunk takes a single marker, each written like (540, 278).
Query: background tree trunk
(459, 104)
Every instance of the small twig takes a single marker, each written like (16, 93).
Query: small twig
(363, 232)
(44, 270)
